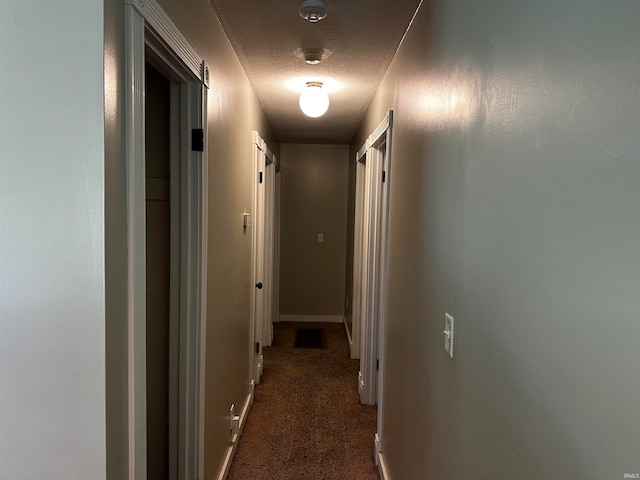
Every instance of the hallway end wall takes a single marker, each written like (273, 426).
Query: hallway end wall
(514, 208)
(314, 201)
(233, 112)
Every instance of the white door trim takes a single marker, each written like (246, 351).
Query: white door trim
(147, 24)
(369, 292)
(383, 138)
(201, 333)
(270, 176)
(276, 243)
(136, 245)
(158, 23)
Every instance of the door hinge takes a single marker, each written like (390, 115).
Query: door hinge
(257, 347)
(260, 178)
(197, 140)
(384, 176)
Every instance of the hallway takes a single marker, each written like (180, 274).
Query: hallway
(306, 421)
(512, 215)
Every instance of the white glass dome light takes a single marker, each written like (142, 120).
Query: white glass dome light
(314, 100)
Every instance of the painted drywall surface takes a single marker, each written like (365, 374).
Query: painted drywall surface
(233, 112)
(514, 207)
(351, 209)
(52, 372)
(314, 200)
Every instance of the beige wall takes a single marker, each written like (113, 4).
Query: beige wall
(233, 111)
(351, 211)
(314, 200)
(514, 207)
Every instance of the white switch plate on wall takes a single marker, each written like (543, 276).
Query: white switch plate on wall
(448, 334)
(320, 237)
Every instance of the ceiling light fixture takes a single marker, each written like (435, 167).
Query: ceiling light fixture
(313, 10)
(314, 100)
(312, 57)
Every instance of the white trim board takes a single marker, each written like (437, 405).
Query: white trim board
(346, 327)
(312, 318)
(160, 23)
(381, 463)
(382, 467)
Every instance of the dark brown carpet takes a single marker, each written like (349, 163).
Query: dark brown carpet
(306, 422)
(309, 338)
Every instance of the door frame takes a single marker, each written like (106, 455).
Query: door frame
(148, 26)
(371, 229)
(269, 253)
(382, 138)
(262, 252)
(276, 241)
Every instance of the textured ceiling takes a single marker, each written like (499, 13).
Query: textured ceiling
(359, 37)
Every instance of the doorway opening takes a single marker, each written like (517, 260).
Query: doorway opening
(263, 252)
(166, 218)
(370, 267)
(370, 259)
(162, 215)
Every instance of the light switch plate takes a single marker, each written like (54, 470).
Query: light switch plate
(320, 237)
(448, 334)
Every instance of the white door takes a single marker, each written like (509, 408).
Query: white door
(276, 246)
(257, 256)
(263, 251)
(269, 246)
(372, 261)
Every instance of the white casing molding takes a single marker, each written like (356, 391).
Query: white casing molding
(136, 246)
(160, 23)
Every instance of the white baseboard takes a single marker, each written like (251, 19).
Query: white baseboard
(346, 327)
(382, 467)
(235, 437)
(312, 318)
(354, 355)
(380, 461)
